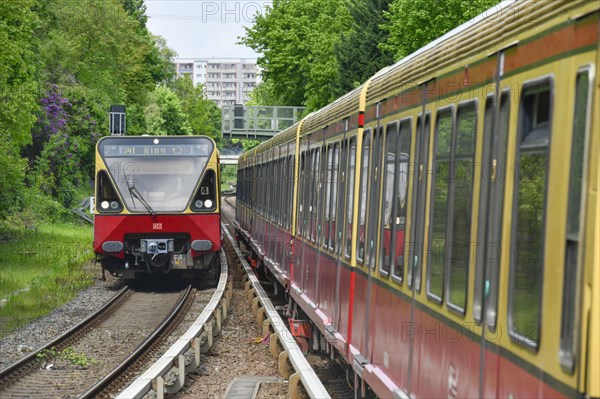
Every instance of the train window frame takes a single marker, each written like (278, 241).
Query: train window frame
(390, 128)
(104, 180)
(374, 198)
(290, 186)
(417, 231)
(499, 151)
(306, 198)
(301, 186)
(327, 192)
(315, 196)
(463, 107)
(407, 122)
(212, 195)
(333, 203)
(572, 303)
(439, 114)
(532, 87)
(350, 206)
(341, 211)
(366, 135)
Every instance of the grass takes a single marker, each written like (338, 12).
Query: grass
(42, 270)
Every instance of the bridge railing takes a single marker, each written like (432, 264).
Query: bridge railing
(259, 123)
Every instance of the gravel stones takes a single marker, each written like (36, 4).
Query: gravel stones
(28, 338)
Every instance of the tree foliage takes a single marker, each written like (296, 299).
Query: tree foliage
(19, 23)
(297, 39)
(204, 115)
(165, 115)
(414, 23)
(358, 54)
(18, 102)
(62, 64)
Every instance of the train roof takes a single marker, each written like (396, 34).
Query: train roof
(497, 28)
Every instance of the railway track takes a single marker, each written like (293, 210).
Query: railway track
(330, 373)
(87, 360)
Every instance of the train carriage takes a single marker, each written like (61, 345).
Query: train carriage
(157, 206)
(444, 215)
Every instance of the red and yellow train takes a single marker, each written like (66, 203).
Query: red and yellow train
(157, 207)
(440, 224)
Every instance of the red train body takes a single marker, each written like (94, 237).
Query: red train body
(438, 225)
(157, 205)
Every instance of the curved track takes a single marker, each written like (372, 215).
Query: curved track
(100, 347)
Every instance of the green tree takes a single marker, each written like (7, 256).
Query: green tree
(18, 95)
(137, 10)
(203, 114)
(165, 114)
(414, 23)
(18, 69)
(296, 39)
(358, 53)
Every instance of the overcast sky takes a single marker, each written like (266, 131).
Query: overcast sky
(204, 29)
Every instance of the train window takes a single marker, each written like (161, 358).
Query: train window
(350, 196)
(279, 193)
(301, 186)
(273, 182)
(389, 188)
(342, 178)
(491, 201)
(327, 188)
(290, 187)
(362, 196)
(416, 250)
(461, 191)
(314, 197)
(402, 177)
(528, 220)
(107, 199)
(307, 192)
(333, 198)
(268, 189)
(373, 194)
(284, 193)
(438, 243)
(574, 230)
(206, 199)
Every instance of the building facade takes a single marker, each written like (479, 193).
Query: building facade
(227, 81)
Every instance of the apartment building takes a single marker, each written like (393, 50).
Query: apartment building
(227, 81)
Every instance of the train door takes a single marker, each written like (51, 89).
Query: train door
(420, 199)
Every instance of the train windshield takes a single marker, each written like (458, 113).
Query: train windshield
(156, 174)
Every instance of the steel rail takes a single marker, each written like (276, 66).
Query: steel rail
(292, 352)
(174, 357)
(101, 385)
(105, 310)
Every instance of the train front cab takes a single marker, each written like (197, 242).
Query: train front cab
(157, 214)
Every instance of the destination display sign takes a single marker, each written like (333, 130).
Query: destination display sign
(150, 150)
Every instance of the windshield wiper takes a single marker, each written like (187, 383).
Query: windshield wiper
(134, 192)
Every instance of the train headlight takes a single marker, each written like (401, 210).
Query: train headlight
(114, 205)
(104, 204)
(198, 204)
(208, 203)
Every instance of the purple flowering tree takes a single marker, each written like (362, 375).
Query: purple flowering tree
(62, 150)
